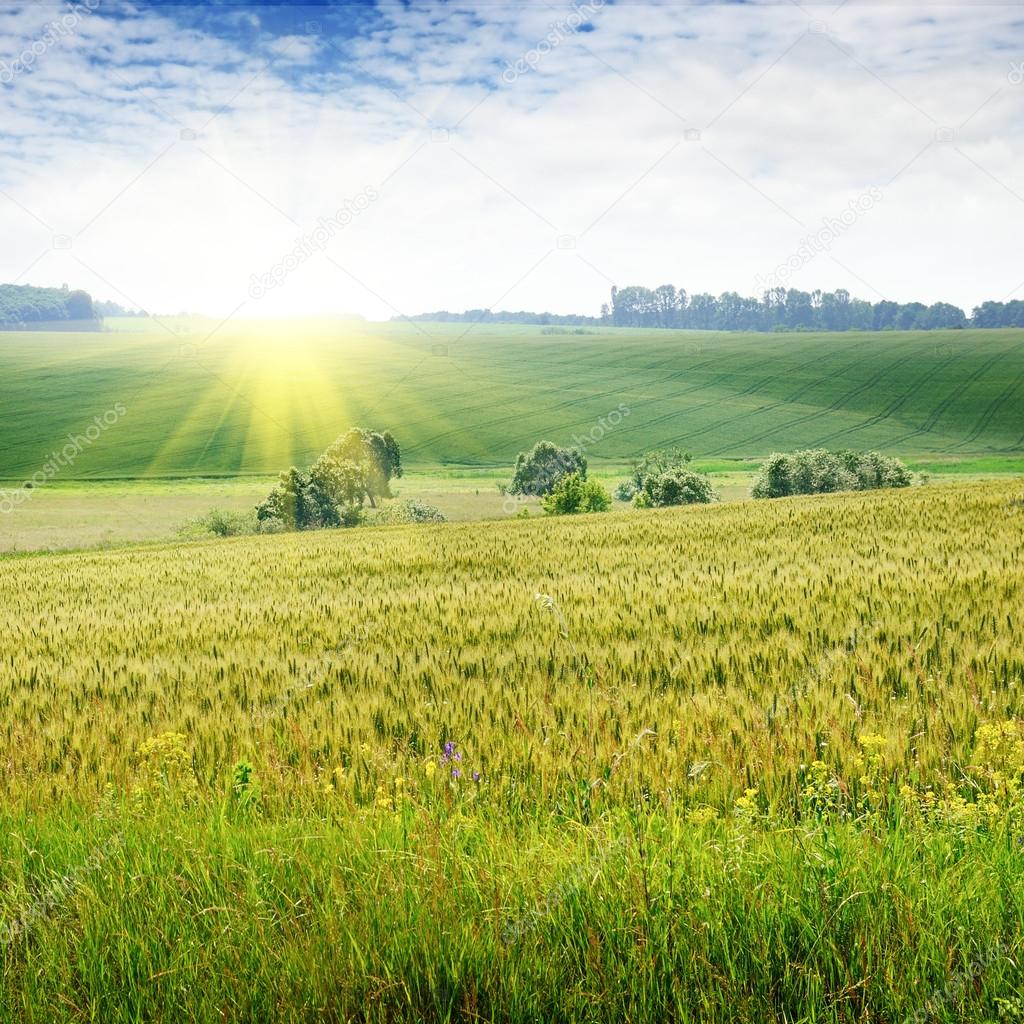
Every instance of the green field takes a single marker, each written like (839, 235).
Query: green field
(253, 397)
(761, 762)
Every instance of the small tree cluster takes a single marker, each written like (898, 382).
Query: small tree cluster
(573, 494)
(663, 478)
(538, 471)
(818, 471)
(356, 468)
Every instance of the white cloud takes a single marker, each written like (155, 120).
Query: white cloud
(799, 109)
(294, 49)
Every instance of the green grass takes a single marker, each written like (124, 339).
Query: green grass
(252, 397)
(195, 917)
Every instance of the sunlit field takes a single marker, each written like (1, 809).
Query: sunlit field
(511, 513)
(747, 763)
(251, 398)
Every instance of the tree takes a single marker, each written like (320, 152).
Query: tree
(675, 487)
(574, 494)
(359, 466)
(538, 471)
(342, 485)
(290, 503)
(773, 481)
(79, 306)
(655, 463)
(665, 304)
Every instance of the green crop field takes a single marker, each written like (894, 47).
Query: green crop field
(253, 397)
(748, 763)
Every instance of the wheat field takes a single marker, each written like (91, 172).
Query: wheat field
(745, 763)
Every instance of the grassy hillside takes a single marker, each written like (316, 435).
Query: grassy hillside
(256, 396)
(751, 763)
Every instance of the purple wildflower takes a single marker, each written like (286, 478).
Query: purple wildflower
(476, 776)
(450, 753)
(456, 774)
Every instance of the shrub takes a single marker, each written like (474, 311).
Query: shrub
(573, 494)
(409, 511)
(626, 490)
(220, 523)
(817, 471)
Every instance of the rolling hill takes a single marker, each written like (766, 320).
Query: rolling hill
(252, 397)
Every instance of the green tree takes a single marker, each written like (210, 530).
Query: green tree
(343, 486)
(79, 306)
(573, 494)
(377, 460)
(357, 467)
(675, 487)
(538, 471)
(290, 503)
(655, 463)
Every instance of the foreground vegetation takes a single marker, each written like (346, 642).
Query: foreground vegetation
(248, 398)
(743, 763)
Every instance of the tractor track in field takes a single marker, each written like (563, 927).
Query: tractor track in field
(990, 413)
(704, 386)
(895, 405)
(938, 412)
(593, 396)
(836, 405)
(750, 389)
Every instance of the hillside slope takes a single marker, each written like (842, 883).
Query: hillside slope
(256, 396)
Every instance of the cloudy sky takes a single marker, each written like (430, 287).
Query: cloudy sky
(395, 158)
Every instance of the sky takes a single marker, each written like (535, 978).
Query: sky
(390, 159)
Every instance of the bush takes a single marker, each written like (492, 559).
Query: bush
(675, 487)
(220, 523)
(626, 490)
(573, 494)
(409, 511)
(817, 471)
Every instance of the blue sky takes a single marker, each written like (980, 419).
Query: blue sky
(394, 158)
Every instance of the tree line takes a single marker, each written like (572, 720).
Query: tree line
(778, 309)
(26, 307)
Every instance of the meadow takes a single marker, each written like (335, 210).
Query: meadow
(244, 398)
(748, 763)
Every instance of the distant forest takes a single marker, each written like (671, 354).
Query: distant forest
(26, 307)
(779, 309)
